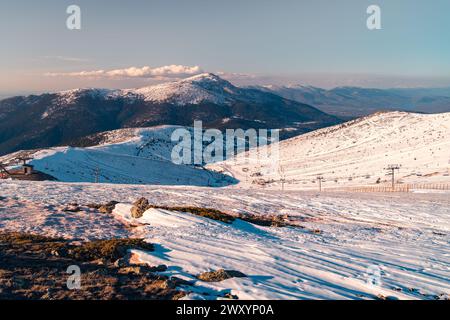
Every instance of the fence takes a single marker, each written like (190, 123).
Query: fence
(397, 188)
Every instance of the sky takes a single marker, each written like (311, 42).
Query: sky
(324, 43)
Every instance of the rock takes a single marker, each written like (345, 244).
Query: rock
(220, 275)
(108, 208)
(139, 207)
(103, 208)
(230, 296)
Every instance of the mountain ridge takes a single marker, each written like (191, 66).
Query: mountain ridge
(352, 102)
(53, 119)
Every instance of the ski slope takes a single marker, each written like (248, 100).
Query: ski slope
(356, 153)
(126, 156)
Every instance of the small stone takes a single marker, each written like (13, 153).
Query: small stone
(108, 208)
(230, 296)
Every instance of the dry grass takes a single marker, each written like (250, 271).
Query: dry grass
(142, 204)
(35, 267)
(267, 220)
(202, 212)
(220, 275)
(109, 250)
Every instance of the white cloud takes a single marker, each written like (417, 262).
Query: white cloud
(172, 71)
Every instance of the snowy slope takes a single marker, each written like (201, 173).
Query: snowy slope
(405, 237)
(131, 156)
(356, 153)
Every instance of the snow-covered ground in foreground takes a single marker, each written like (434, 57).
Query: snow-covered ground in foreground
(356, 153)
(405, 235)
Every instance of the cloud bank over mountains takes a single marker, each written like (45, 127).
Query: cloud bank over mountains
(164, 72)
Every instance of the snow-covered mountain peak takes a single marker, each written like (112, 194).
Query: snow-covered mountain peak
(205, 87)
(205, 77)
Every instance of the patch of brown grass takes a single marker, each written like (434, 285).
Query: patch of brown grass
(35, 267)
(220, 275)
(201, 212)
(142, 205)
(109, 250)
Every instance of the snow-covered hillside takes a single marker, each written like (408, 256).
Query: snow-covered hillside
(346, 246)
(356, 153)
(130, 156)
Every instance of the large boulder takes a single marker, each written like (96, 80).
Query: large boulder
(139, 207)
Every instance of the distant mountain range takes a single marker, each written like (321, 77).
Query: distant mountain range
(351, 102)
(53, 119)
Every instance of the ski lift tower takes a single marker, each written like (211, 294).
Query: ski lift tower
(391, 172)
(320, 179)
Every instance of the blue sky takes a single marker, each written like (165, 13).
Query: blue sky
(319, 42)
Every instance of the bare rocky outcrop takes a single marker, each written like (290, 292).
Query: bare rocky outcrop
(139, 207)
(220, 275)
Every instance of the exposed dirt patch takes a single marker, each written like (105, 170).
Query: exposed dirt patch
(35, 267)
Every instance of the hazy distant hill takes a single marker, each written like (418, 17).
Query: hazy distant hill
(351, 102)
